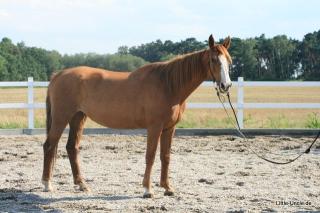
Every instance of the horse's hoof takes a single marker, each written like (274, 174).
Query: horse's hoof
(148, 195)
(47, 186)
(84, 188)
(47, 189)
(168, 193)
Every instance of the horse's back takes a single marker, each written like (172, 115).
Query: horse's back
(87, 73)
(73, 85)
(105, 96)
(76, 77)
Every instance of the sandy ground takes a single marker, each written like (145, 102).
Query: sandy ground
(209, 174)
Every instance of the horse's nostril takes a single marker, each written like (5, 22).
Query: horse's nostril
(222, 86)
(227, 86)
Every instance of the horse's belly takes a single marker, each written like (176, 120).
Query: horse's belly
(117, 118)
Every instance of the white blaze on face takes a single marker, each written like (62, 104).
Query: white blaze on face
(225, 79)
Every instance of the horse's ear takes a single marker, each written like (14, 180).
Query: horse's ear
(227, 42)
(211, 42)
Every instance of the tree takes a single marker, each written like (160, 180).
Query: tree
(123, 50)
(283, 57)
(151, 52)
(259, 58)
(244, 58)
(19, 61)
(157, 51)
(12, 56)
(188, 45)
(127, 62)
(310, 56)
(117, 62)
(3, 69)
(278, 58)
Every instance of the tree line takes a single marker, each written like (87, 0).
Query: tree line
(258, 58)
(17, 62)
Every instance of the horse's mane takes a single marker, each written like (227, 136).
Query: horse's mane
(181, 69)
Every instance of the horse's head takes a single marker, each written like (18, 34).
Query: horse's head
(219, 62)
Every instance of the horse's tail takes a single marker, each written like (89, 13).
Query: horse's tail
(48, 102)
(49, 122)
(48, 113)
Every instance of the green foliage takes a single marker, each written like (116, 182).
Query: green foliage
(158, 50)
(310, 56)
(313, 121)
(123, 50)
(18, 62)
(259, 58)
(265, 59)
(125, 62)
(167, 57)
(249, 120)
(150, 52)
(279, 121)
(12, 125)
(117, 62)
(186, 124)
(244, 57)
(3, 68)
(278, 58)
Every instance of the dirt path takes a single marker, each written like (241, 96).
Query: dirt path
(210, 174)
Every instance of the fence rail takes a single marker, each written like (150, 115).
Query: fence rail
(240, 104)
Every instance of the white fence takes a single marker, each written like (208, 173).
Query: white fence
(240, 105)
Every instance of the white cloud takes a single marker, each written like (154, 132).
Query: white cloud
(4, 14)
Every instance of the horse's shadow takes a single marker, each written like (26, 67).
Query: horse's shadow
(87, 197)
(15, 200)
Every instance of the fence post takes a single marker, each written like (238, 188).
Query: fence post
(240, 104)
(30, 104)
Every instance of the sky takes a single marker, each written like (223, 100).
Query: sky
(101, 26)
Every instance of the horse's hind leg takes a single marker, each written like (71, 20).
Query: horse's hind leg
(50, 149)
(73, 148)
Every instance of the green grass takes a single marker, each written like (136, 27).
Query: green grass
(279, 121)
(39, 123)
(274, 122)
(313, 121)
(12, 125)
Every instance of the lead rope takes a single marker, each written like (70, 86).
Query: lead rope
(237, 126)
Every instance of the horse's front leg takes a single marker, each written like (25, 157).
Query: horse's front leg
(152, 143)
(165, 148)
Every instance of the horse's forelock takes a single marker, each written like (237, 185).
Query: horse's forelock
(222, 50)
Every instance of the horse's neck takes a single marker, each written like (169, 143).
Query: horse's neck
(185, 74)
(189, 88)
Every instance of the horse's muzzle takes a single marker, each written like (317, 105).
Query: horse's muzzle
(224, 87)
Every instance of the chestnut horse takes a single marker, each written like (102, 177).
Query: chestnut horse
(152, 97)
